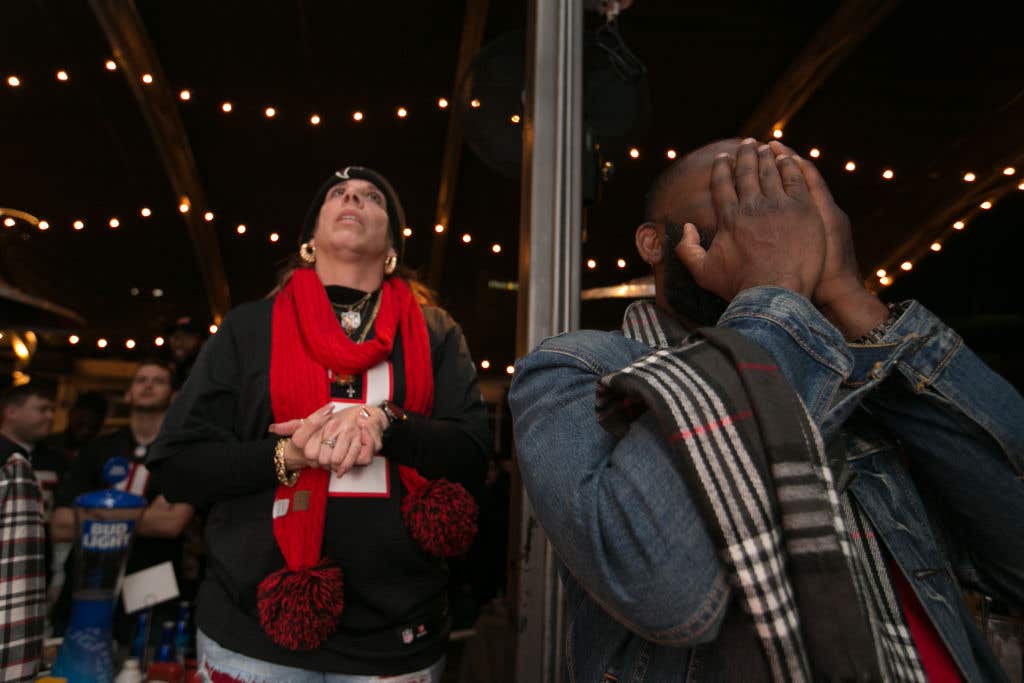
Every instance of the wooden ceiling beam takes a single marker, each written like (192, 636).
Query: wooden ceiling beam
(135, 56)
(835, 41)
(469, 45)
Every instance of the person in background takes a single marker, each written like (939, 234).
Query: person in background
(158, 535)
(185, 338)
(85, 420)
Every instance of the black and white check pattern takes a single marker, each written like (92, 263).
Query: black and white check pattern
(814, 525)
(22, 571)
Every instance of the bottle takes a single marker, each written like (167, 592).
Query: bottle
(166, 651)
(130, 672)
(141, 636)
(182, 633)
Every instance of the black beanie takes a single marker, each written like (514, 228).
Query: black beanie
(396, 215)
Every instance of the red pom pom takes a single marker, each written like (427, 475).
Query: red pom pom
(441, 517)
(298, 610)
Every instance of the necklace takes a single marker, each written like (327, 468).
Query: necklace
(351, 315)
(348, 381)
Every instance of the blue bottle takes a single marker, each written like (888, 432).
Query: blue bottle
(182, 632)
(166, 651)
(141, 637)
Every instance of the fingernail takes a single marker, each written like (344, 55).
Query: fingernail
(747, 141)
(763, 148)
(781, 157)
(327, 409)
(722, 155)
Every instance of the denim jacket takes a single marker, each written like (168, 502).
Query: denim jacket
(934, 441)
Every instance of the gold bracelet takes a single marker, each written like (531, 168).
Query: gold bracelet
(282, 472)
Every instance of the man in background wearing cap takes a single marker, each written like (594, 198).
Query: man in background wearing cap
(184, 339)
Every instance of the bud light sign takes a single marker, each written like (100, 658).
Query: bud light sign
(106, 537)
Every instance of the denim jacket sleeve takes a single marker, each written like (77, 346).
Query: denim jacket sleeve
(618, 515)
(962, 429)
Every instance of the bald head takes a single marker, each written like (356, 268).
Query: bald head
(682, 193)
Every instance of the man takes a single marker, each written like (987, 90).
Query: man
(27, 418)
(184, 339)
(158, 533)
(641, 512)
(85, 420)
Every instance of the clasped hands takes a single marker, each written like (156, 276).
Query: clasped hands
(777, 224)
(336, 441)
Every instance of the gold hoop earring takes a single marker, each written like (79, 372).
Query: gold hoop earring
(390, 263)
(307, 252)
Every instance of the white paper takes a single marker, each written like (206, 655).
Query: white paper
(371, 481)
(149, 587)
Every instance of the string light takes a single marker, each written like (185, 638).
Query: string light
(240, 229)
(671, 154)
(887, 174)
(357, 116)
(184, 206)
(407, 232)
(101, 343)
(43, 225)
(114, 223)
(815, 152)
(510, 369)
(485, 364)
(159, 341)
(467, 238)
(438, 228)
(130, 344)
(226, 107)
(213, 329)
(145, 212)
(475, 103)
(13, 81)
(777, 133)
(157, 293)
(1021, 186)
(496, 248)
(514, 119)
(147, 78)
(1009, 170)
(185, 95)
(986, 205)
(621, 263)
(270, 112)
(880, 272)
(78, 225)
(634, 153)
(969, 177)
(74, 339)
(886, 281)
(959, 225)
(906, 265)
(9, 222)
(110, 65)
(274, 237)
(208, 216)
(314, 120)
(850, 166)
(442, 103)
(936, 246)
(62, 75)
(402, 112)
(591, 263)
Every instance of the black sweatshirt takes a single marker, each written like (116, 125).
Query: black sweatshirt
(215, 450)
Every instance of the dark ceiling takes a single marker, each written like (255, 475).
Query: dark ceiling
(930, 93)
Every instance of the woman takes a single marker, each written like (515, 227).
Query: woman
(323, 427)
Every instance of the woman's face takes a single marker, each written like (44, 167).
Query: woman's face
(353, 222)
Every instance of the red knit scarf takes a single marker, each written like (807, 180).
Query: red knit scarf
(300, 604)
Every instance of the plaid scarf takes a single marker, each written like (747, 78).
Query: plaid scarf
(22, 571)
(757, 467)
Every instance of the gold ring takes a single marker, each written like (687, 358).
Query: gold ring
(329, 442)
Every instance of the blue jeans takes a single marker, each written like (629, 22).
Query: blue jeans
(213, 657)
